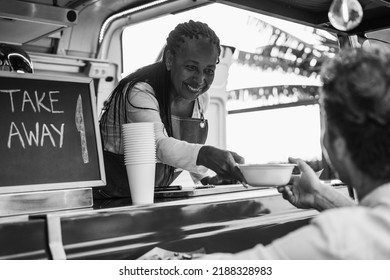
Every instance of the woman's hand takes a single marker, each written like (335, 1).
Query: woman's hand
(305, 187)
(222, 162)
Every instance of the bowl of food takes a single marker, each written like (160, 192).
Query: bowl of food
(270, 174)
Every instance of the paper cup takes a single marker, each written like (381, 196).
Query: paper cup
(140, 160)
(145, 127)
(150, 150)
(141, 181)
(137, 134)
(136, 143)
(139, 144)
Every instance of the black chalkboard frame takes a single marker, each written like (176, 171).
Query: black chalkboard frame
(86, 85)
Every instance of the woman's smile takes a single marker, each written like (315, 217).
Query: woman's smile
(196, 89)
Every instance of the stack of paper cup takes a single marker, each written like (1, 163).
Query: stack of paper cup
(140, 160)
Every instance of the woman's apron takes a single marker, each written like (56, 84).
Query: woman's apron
(191, 130)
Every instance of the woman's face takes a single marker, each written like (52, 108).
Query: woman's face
(192, 68)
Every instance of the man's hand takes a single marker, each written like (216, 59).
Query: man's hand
(305, 187)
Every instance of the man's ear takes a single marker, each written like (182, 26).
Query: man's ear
(340, 147)
(168, 60)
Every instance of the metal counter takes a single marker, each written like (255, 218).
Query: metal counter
(227, 222)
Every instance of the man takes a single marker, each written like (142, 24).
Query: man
(355, 115)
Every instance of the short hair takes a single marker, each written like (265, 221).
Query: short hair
(356, 100)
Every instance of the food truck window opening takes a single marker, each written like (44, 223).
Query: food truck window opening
(272, 87)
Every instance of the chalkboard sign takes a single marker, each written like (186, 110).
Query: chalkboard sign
(49, 136)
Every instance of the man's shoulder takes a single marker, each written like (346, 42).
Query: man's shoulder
(345, 216)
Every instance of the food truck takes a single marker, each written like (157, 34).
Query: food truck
(265, 84)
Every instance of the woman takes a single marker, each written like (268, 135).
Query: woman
(355, 103)
(172, 92)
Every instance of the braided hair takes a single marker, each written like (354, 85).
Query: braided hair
(157, 76)
(356, 99)
(190, 30)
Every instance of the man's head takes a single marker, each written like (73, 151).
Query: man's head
(14, 59)
(355, 102)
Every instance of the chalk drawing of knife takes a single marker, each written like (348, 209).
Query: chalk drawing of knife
(79, 118)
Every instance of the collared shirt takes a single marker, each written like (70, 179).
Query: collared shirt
(358, 232)
(171, 151)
